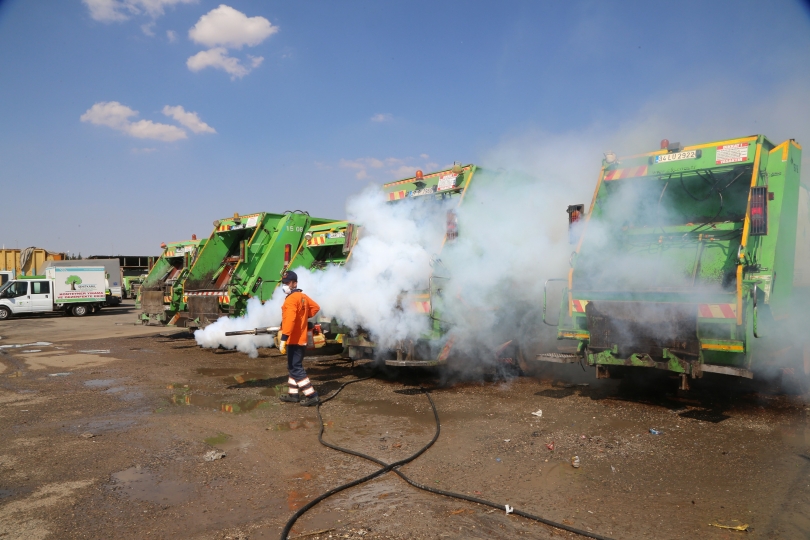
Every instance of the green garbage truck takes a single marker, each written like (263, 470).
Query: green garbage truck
(447, 190)
(686, 261)
(160, 298)
(243, 258)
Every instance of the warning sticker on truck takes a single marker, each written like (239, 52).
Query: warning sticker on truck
(732, 153)
(448, 181)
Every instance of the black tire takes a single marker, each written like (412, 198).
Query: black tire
(80, 310)
(5, 313)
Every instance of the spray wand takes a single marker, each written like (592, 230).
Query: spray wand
(255, 331)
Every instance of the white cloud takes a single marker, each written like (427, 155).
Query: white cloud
(108, 113)
(227, 27)
(255, 61)
(148, 29)
(117, 116)
(121, 10)
(171, 35)
(146, 129)
(190, 120)
(105, 10)
(382, 117)
(218, 58)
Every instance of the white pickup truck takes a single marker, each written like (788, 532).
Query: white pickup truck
(70, 290)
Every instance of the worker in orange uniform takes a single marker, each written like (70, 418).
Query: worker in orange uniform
(297, 309)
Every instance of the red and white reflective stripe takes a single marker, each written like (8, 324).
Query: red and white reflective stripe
(291, 381)
(224, 299)
(630, 172)
(397, 195)
(292, 390)
(317, 240)
(422, 307)
(304, 382)
(579, 305)
(206, 293)
(717, 311)
(309, 391)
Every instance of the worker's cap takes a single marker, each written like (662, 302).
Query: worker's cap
(289, 276)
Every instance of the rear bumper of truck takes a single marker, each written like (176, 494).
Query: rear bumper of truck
(678, 337)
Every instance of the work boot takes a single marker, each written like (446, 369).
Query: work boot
(310, 401)
(289, 398)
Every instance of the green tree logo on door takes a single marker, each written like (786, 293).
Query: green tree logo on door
(73, 281)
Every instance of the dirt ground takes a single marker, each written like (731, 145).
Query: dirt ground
(106, 426)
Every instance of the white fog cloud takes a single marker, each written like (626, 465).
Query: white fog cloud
(218, 58)
(171, 35)
(382, 117)
(120, 10)
(106, 10)
(117, 116)
(190, 120)
(227, 27)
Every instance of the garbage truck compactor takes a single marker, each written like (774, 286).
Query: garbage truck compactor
(685, 262)
(243, 258)
(160, 296)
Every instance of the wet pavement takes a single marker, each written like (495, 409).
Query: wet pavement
(115, 446)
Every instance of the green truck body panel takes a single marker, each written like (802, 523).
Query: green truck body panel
(686, 260)
(243, 258)
(160, 295)
(325, 244)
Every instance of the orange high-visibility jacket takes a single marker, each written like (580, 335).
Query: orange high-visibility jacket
(295, 311)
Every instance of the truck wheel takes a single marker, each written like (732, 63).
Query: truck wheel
(80, 310)
(5, 313)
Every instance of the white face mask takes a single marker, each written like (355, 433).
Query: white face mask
(286, 289)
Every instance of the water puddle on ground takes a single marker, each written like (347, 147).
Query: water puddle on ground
(138, 483)
(305, 423)
(100, 383)
(220, 403)
(233, 371)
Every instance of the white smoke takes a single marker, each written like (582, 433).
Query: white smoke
(512, 229)
(392, 256)
(256, 316)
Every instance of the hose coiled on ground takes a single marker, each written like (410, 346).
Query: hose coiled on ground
(394, 467)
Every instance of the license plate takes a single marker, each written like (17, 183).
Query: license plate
(689, 154)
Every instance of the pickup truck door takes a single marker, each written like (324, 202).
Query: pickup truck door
(18, 297)
(41, 296)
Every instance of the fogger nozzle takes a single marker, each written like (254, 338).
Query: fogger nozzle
(255, 331)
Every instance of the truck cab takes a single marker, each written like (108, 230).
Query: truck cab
(75, 291)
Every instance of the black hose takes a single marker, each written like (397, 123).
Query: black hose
(394, 467)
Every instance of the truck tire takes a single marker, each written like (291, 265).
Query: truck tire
(5, 313)
(80, 310)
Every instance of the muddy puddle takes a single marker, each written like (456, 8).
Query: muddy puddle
(305, 423)
(100, 383)
(245, 374)
(139, 483)
(220, 403)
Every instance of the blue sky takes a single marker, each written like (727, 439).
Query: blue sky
(262, 106)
